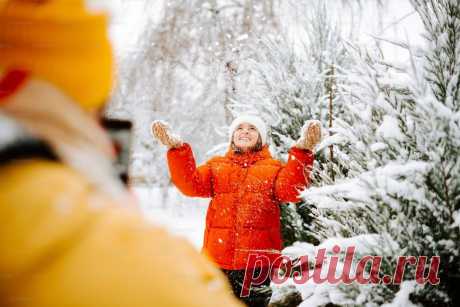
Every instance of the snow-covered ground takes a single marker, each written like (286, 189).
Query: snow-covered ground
(181, 215)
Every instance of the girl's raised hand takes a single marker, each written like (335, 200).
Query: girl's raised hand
(311, 135)
(161, 131)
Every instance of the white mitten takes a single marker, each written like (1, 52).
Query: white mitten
(161, 131)
(310, 135)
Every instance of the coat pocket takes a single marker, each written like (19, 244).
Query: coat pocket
(220, 244)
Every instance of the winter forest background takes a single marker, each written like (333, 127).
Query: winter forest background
(381, 76)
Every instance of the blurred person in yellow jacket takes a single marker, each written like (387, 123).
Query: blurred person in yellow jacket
(69, 234)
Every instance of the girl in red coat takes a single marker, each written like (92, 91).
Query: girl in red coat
(246, 186)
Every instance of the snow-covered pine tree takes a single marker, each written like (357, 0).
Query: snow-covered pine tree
(438, 120)
(402, 131)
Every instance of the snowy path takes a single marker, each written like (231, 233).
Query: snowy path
(181, 215)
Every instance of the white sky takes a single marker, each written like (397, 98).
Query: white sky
(396, 21)
(399, 23)
(127, 20)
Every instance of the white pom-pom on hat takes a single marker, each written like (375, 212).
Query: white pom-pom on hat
(250, 119)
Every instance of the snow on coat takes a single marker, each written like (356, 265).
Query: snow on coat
(245, 189)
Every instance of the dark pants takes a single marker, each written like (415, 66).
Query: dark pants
(259, 296)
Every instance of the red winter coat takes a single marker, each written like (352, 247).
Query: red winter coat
(245, 189)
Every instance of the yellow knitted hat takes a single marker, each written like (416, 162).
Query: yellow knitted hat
(59, 41)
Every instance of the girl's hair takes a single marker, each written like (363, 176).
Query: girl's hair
(256, 147)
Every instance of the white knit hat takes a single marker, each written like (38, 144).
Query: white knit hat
(253, 120)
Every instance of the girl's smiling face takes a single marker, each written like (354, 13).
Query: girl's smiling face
(245, 136)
